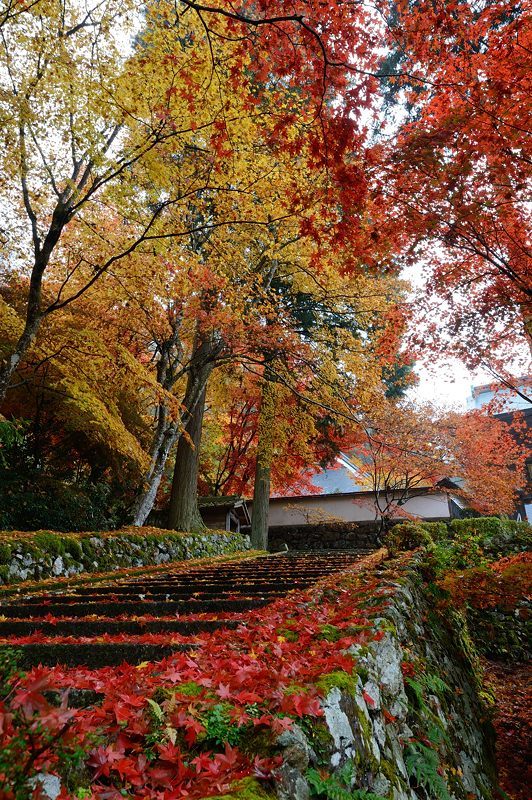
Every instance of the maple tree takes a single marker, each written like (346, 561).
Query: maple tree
(120, 118)
(404, 448)
(456, 172)
(192, 174)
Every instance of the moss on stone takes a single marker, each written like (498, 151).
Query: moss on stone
(295, 688)
(331, 633)
(5, 553)
(99, 552)
(319, 738)
(247, 789)
(337, 680)
(362, 672)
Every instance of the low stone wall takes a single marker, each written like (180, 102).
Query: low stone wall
(46, 554)
(330, 536)
(409, 725)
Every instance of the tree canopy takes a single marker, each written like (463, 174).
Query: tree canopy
(199, 201)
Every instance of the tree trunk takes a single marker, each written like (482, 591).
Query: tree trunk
(183, 513)
(261, 489)
(11, 363)
(168, 432)
(527, 321)
(144, 501)
(34, 314)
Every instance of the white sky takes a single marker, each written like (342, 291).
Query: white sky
(447, 385)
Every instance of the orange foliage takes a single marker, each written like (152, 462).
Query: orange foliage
(503, 584)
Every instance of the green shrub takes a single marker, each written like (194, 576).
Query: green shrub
(481, 526)
(407, 536)
(438, 530)
(463, 551)
(36, 502)
(498, 537)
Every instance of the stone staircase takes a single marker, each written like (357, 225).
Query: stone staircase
(135, 619)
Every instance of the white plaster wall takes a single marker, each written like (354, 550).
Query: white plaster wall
(320, 508)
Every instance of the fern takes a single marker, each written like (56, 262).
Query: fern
(419, 693)
(424, 683)
(436, 733)
(422, 764)
(434, 684)
(337, 787)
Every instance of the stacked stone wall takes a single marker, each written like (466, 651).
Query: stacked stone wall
(410, 725)
(49, 554)
(330, 536)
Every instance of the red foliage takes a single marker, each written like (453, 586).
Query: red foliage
(512, 685)
(456, 171)
(502, 584)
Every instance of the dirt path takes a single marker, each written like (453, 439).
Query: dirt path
(512, 684)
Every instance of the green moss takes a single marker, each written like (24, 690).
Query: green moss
(5, 553)
(289, 635)
(73, 547)
(295, 688)
(338, 680)
(116, 550)
(258, 741)
(48, 542)
(362, 672)
(331, 633)
(247, 789)
(366, 731)
(190, 689)
(319, 738)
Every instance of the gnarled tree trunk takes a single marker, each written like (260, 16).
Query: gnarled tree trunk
(183, 513)
(168, 431)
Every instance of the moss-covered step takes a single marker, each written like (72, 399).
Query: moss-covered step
(138, 608)
(210, 586)
(97, 627)
(93, 655)
(195, 594)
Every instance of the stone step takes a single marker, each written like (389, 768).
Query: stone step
(205, 587)
(114, 609)
(281, 563)
(97, 627)
(170, 594)
(92, 655)
(137, 608)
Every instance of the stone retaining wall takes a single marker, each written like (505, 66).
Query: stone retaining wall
(410, 724)
(330, 536)
(46, 554)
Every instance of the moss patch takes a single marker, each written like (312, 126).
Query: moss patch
(248, 789)
(337, 680)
